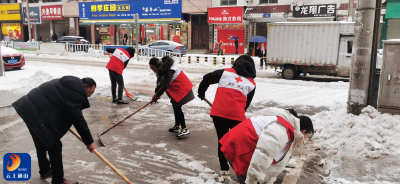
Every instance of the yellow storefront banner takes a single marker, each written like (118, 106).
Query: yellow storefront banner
(13, 30)
(9, 12)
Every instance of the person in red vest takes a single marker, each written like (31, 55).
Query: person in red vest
(178, 87)
(235, 92)
(118, 62)
(260, 147)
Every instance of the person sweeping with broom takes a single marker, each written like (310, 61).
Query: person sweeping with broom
(178, 87)
(118, 62)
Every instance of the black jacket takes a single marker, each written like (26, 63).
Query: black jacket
(50, 109)
(244, 66)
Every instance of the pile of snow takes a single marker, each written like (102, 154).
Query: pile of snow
(369, 135)
(343, 181)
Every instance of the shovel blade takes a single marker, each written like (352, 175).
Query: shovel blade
(101, 142)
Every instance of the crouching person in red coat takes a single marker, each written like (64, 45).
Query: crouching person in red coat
(260, 147)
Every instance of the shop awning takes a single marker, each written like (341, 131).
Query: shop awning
(119, 22)
(392, 9)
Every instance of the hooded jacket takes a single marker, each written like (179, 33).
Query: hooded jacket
(50, 109)
(119, 59)
(271, 141)
(236, 89)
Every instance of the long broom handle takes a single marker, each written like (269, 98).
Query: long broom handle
(125, 118)
(104, 159)
(209, 103)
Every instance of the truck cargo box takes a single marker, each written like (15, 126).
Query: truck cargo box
(306, 43)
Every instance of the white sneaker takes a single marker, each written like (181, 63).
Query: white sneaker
(183, 132)
(225, 174)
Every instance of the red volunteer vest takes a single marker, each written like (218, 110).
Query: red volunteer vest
(117, 60)
(180, 85)
(231, 97)
(239, 144)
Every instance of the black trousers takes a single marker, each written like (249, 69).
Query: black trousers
(236, 49)
(179, 117)
(222, 127)
(55, 163)
(116, 78)
(220, 51)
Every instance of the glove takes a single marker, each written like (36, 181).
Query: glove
(201, 96)
(154, 99)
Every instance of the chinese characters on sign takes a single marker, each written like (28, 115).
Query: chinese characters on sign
(321, 10)
(225, 15)
(52, 12)
(124, 10)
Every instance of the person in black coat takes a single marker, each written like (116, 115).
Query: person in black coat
(49, 111)
(236, 45)
(54, 37)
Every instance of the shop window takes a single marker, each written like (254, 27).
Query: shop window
(268, 1)
(228, 2)
(49, 1)
(8, 1)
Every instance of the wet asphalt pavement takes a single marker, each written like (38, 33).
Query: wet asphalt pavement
(141, 147)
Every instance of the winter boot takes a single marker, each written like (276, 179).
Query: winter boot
(183, 133)
(48, 174)
(225, 174)
(175, 129)
(122, 102)
(115, 100)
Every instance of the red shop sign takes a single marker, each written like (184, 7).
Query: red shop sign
(225, 15)
(52, 12)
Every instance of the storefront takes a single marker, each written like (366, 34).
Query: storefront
(228, 27)
(11, 23)
(53, 21)
(34, 20)
(114, 21)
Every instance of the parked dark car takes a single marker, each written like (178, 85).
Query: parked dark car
(73, 40)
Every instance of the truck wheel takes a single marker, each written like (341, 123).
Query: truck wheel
(289, 72)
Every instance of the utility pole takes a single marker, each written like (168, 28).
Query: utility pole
(363, 62)
(28, 16)
(351, 11)
(2, 73)
(137, 34)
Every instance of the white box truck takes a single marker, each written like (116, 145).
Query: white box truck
(317, 48)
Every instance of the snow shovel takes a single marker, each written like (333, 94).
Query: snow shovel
(209, 103)
(104, 159)
(119, 122)
(129, 95)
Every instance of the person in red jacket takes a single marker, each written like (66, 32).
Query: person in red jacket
(178, 87)
(236, 88)
(118, 62)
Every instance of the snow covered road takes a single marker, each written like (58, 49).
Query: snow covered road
(147, 153)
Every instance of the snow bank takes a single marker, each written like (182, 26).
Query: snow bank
(369, 135)
(343, 181)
